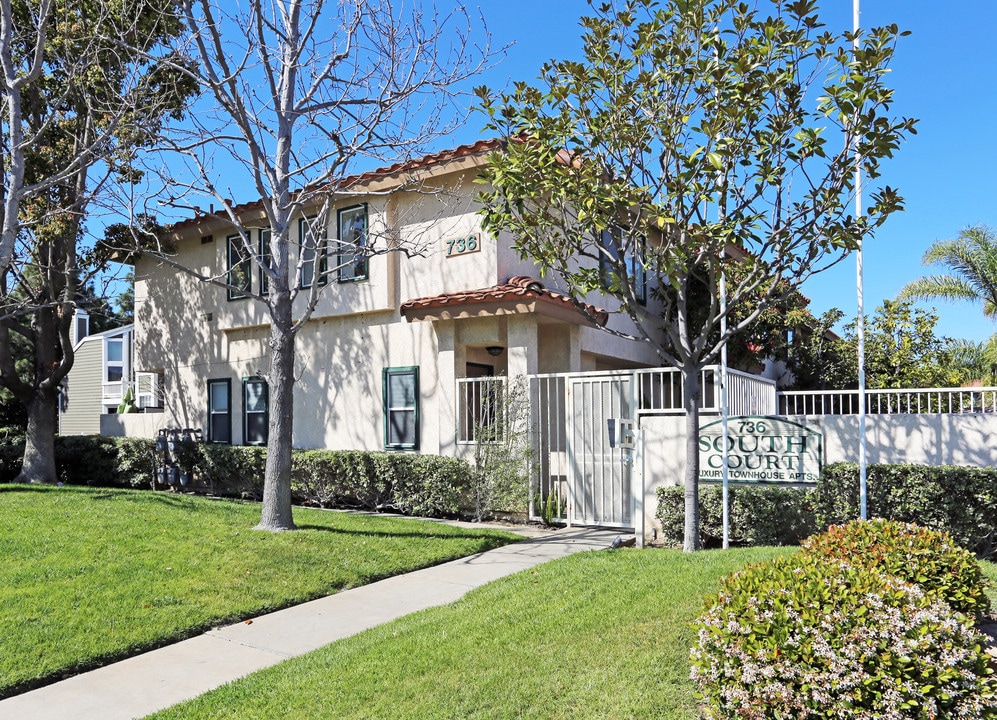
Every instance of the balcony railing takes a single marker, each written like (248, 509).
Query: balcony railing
(113, 392)
(660, 391)
(480, 409)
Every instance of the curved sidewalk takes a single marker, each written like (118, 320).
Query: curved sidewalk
(141, 685)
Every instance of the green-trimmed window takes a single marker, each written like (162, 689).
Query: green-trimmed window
(313, 253)
(255, 411)
(239, 274)
(220, 411)
(265, 257)
(401, 408)
(352, 257)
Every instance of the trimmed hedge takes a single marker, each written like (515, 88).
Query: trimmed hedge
(961, 501)
(426, 485)
(93, 460)
(759, 515)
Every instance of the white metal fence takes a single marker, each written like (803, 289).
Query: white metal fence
(889, 402)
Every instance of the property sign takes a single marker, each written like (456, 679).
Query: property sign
(761, 450)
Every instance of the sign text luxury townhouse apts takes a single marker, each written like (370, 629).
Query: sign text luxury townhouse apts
(761, 450)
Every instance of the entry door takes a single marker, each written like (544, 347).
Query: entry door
(601, 474)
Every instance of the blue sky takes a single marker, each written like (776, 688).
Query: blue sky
(944, 74)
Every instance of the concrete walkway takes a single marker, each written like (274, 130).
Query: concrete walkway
(157, 679)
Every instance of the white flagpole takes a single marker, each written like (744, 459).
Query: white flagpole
(724, 409)
(860, 281)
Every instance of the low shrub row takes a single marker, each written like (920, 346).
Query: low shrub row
(759, 515)
(862, 622)
(93, 460)
(961, 501)
(427, 485)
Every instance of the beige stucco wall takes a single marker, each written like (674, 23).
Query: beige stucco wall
(190, 331)
(964, 439)
(143, 425)
(956, 439)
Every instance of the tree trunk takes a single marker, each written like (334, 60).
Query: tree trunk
(277, 515)
(39, 440)
(690, 387)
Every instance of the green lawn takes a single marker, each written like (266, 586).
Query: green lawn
(92, 575)
(990, 570)
(596, 635)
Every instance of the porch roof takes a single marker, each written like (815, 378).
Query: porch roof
(520, 294)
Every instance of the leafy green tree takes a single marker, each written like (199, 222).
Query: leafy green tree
(693, 137)
(820, 358)
(98, 93)
(126, 299)
(902, 349)
(971, 261)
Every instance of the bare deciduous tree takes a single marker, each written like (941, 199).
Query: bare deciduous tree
(299, 95)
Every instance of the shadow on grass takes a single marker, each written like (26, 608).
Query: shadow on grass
(428, 533)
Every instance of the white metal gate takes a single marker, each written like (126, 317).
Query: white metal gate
(579, 478)
(601, 472)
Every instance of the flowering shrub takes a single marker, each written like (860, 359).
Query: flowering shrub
(927, 558)
(801, 637)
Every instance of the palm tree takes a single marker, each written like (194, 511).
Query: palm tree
(972, 261)
(973, 361)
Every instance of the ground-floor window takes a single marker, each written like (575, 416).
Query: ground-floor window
(401, 408)
(255, 411)
(220, 411)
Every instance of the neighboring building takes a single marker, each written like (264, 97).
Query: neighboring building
(102, 372)
(378, 363)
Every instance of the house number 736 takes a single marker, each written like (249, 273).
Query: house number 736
(462, 245)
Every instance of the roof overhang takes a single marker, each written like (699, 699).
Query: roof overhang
(520, 295)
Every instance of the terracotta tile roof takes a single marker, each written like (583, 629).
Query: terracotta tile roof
(461, 151)
(515, 291)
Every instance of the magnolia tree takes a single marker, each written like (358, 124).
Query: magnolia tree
(298, 95)
(695, 136)
(83, 84)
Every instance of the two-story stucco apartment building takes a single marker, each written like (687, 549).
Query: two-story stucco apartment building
(378, 363)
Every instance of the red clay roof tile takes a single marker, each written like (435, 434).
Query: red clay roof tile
(520, 287)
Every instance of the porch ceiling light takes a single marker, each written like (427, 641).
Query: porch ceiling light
(494, 350)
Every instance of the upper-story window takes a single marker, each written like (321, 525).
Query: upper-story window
(239, 275)
(612, 241)
(352, 256)
(115, 360)
(265, 256)
(313, 251)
